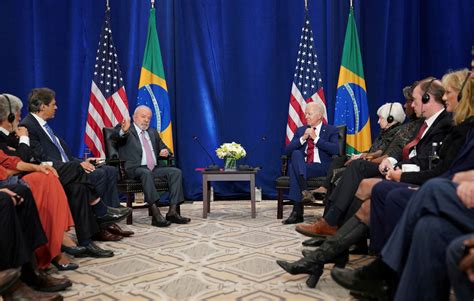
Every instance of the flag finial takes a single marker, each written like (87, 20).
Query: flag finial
(152, 3)
(351, 4)
(107, 4)
(306, 5)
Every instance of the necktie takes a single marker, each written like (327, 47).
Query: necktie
(148, 152)
(310, 151)
(414, 142)
(55, 141)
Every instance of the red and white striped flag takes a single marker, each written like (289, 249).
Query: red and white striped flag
(108, 103)
(307, 83)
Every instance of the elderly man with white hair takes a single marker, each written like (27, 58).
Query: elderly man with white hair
(140, 146)
(311, 150)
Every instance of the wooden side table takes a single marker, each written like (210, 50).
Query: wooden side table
(221, 175)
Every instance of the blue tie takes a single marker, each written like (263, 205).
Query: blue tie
(55, 141)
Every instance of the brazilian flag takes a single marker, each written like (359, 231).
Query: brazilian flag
(351, 106)
(153, 91)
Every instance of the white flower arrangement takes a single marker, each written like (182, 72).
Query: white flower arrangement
(231, 150)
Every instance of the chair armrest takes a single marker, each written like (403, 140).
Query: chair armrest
(284, 165)
(120, 164)
(167, 161)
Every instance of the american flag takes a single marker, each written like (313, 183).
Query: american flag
(307, 83)
(108, 103)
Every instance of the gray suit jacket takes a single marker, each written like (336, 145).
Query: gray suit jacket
(130, 148)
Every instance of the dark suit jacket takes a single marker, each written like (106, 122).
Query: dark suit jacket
(328, 144)
(21, 150)
(130, 148)
(465, 159)
(44, 149)
(436, 133)
(448, 151)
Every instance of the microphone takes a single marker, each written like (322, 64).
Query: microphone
(211, 167)
(246, 167)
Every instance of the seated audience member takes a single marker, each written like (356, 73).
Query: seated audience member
(21, 235)
(428, 104)
(415, 255)
(391, 117)
(460, 261)
(15, 141)
(311, 150)
(50, 147)
(141, 146)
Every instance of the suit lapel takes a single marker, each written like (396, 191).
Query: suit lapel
(433, 127)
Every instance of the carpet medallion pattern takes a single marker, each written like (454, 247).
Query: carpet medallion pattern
(228, 256)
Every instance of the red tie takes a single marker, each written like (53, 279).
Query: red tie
(310, 151)
(414, 142)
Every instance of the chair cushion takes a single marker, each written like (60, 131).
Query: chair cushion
(283, 182)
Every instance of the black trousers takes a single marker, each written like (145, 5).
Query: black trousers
(343, 195)
(20, 228)
(80, 191)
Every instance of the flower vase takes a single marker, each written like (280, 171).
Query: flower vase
(230, 164)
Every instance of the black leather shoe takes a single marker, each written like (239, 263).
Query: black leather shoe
(177, 219)
(159, 222)
(294, 218)
(47, 283)
(92, 250)
(65, 267)
(313, 242)
(76, 250)
(113, 215)
(301, 266)
(313, 279)
(8, 278)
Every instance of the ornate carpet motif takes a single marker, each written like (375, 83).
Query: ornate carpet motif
(228, 256)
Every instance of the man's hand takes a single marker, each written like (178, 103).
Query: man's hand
(385, 166)
(463, 176)
(21, 131)
(47, 169)
(465, 192)
(467, 263)
(125, 125)
(394, 175)
(16, 199)
(87, 165)
(164, 153)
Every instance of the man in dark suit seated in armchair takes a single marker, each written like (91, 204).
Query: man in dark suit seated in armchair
(311, 150)
(140, 147)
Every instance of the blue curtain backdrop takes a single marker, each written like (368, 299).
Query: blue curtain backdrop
(229, 64)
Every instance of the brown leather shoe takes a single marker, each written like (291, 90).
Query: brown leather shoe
(115, 229)
(21, 291)
(105, 235)
(319, 228)
(47, 283)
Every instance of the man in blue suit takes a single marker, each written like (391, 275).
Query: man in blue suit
(311, 150)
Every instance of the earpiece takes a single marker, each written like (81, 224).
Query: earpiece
(426, 97)
(390, 118)
(11, 116)
(468, 75)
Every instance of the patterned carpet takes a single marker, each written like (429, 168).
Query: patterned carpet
(228, 256)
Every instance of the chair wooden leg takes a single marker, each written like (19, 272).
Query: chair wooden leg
(280, 204)
(129, 205)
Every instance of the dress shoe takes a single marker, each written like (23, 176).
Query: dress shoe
(318, 229)
(301, 266)
(21, 291)
(374, 280)
(294, 218)
(307, 196)
(115, 229)
(92, 250)
(313, 242)
(65, 267)
(47, 283)
(105, 235)
(177, 219)
(113, 215)
(8, 278)
(159, 221)
(313, 279)
(76, 250)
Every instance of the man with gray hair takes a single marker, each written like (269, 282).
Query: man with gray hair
(140, 147)
(311, 150)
